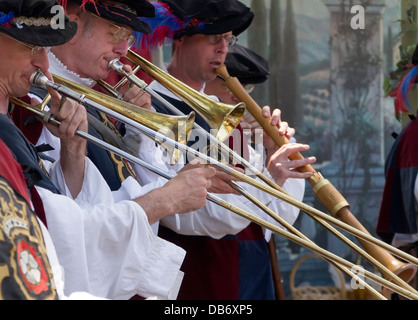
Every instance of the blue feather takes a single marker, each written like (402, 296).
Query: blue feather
(163, 26)
(6, 18)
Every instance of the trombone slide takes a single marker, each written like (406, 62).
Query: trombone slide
(156, 135)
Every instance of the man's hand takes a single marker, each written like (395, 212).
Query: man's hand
(283, 129)
(73, 117)
(184, 193)
(281, 168)
(133, 94)
(220, 181)
(71, 114)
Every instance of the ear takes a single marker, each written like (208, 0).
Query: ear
(75, 18)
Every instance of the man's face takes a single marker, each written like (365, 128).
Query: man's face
(18, 63)
(96, 45)
(201, 57)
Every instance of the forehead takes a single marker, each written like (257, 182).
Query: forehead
(108, 22)
(200, 37)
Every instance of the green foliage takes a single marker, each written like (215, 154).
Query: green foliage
(403, 66)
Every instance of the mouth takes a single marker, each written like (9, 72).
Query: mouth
(27, 78)
(215, 64)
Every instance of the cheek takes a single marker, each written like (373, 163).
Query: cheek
(93, 66)
(17, 77)
(9, 61)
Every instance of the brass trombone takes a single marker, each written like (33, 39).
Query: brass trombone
(388, 265)
(220, 116)
(47, 117)
(177, 127)
(199, 103)
(42, 80)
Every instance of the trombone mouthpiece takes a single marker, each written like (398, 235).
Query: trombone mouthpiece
(38, 78)
(116, 65)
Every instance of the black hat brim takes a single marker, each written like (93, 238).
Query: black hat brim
(44, 36)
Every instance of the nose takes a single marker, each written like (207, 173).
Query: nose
(222, 46)
(121, 48)
(40, 60)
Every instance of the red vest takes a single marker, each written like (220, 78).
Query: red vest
(25, 272)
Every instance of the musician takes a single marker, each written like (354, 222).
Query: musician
(84, 60)
(397, 221)
(235, 266)
(107, 248)
(250, 69)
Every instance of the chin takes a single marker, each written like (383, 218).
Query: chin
(212, 76)
(22, 89)
(103, 75)
(20, 93)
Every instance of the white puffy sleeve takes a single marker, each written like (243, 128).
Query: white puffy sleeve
(108, 249)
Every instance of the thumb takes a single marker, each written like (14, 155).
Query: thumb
(55, 96)
(210, 172)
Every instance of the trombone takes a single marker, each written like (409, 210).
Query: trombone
(47, 117)
(177, 127)
(196, 101)
(225, 120)
(327, 194)
(40, 79)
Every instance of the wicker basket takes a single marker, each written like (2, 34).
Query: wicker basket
(316, 292)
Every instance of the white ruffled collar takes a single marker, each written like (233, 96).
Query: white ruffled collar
(58, 68)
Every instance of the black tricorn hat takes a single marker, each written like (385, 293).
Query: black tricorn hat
(246, 65)
(35, 22)
(211, 16)
(121, 11)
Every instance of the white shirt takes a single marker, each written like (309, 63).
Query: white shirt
(106, 247)
(213, 220)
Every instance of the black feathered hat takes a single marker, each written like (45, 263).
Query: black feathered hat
(120, 11)
(175, 18)
(35, 22)
(217, 16)
(246, 65)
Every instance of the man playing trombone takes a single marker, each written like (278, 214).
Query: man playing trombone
(219, 267)
(85, 59)
(106, 247)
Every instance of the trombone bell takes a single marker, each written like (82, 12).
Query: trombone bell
(177, 128)
(220, 116)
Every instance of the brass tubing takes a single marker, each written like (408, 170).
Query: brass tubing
(238, 175)
(47, 117)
